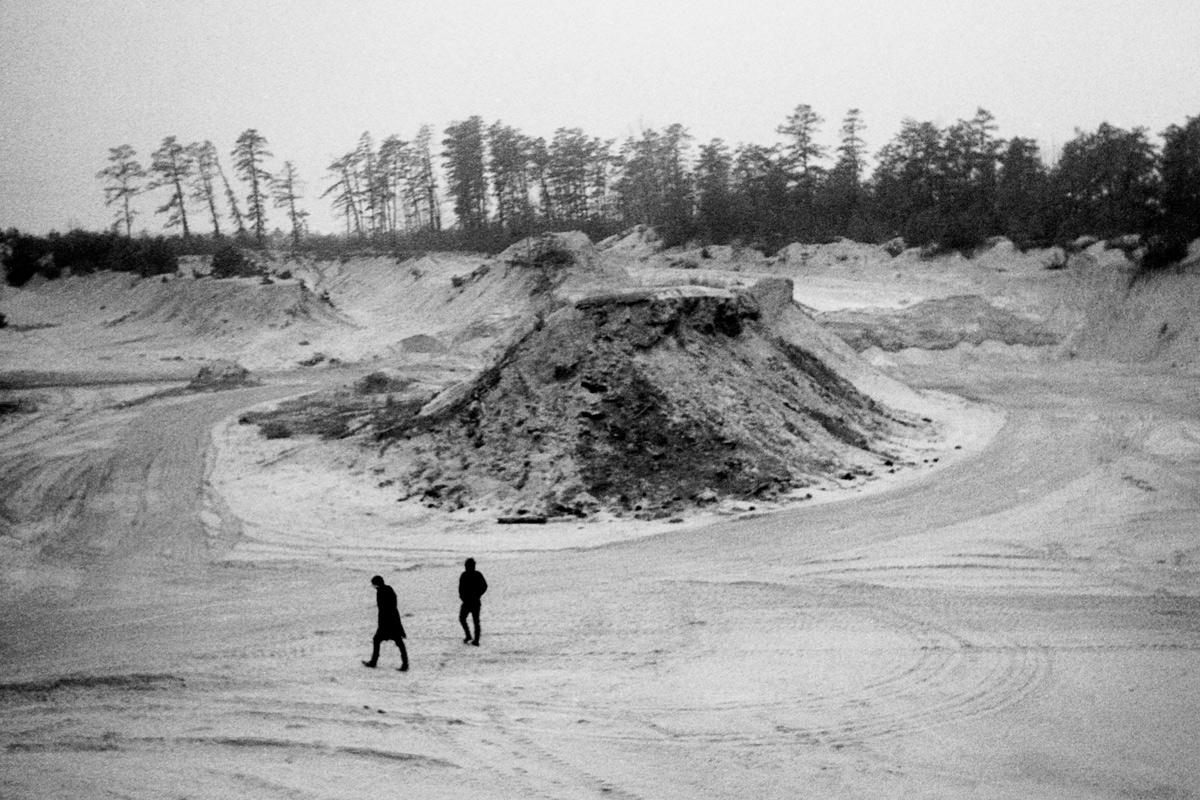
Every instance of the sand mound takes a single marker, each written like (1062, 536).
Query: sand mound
(644, 401)
(999, 295)
(843, 251)
(219, 308)
(131, 323)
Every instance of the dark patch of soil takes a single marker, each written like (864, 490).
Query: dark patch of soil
(381, 382)
(221, 375)
(17, 405)
(340, 413)
(633, 450)
(333, 415)
(78, 682)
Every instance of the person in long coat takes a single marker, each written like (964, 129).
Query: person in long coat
(471, 586)
(390, 627)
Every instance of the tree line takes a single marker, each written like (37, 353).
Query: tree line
(192, 174)
(950, 186)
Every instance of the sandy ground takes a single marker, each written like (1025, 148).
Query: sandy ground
(1019, 619)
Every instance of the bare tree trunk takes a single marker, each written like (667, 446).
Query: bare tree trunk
(232, 198)
(187, 234)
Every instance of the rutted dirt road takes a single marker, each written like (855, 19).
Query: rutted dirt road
(1002, 627)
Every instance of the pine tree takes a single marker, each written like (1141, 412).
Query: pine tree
(539, 159)
(576, 175)
(1022, 199)
(122, 178)
(423, 187)
(640, 182)
(368, 184)
(173, 166)
(852, 150)
(907, 183)
(655, 182)
(841, 199)
(761, 193)
(802, 151)
(204, 156)
(288, 189)
(235, 211)
(249, 153)
(345, 192)
(714, 195)
(394, 162)
(511, 166)
(463, 155)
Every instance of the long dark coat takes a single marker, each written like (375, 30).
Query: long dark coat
(390, 626)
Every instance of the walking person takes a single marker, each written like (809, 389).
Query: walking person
(471, 586)
(390, 628)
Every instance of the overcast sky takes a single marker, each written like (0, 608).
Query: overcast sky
(77, 78)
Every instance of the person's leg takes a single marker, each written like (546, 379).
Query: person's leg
(462, 620)
(475, 617)
(374, 651)
(403, 654)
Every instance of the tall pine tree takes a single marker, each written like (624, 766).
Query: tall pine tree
(463, 154)
(173, 165)
(249, 155)
(122, 182)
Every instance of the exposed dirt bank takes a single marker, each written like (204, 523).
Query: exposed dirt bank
(938, 324)
(1153, 318)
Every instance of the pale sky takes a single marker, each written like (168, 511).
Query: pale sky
(77, 78)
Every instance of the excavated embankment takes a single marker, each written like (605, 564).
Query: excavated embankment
(643, 401)
(1151, 320)
(938, 324)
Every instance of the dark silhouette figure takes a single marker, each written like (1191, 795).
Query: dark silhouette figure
(471, 586)
(390, 627)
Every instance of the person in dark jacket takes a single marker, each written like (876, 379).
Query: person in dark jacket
(471, 586)
(390, 627)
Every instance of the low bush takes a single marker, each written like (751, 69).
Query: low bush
(82, 252)
(230, 262)
(1163, 251)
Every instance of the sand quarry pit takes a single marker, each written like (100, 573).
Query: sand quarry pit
(953, 553)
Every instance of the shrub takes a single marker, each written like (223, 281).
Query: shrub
(23, 257)
(229, 262)
(1162, 252)
(146, 257)
(83, 252)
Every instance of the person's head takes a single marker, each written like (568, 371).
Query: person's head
(377, 581)
(470, 565)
